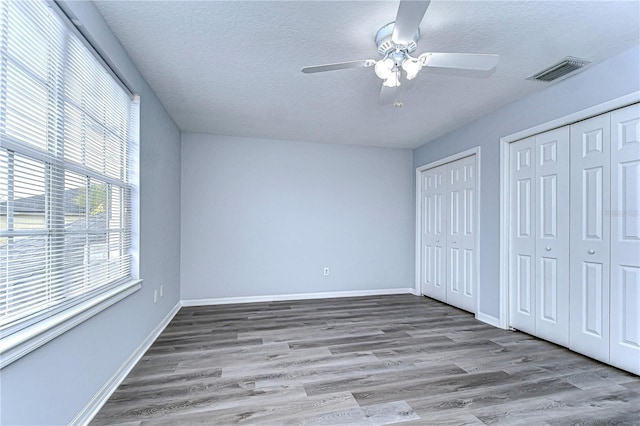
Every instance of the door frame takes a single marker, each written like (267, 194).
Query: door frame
(418, 258)
(505, 177)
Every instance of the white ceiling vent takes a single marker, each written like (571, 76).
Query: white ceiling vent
(563, 68)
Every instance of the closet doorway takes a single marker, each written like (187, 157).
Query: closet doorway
(447, 230)
(574, 236)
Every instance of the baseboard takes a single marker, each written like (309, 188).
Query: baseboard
(489, 319)
(297, 296)
(100, 398)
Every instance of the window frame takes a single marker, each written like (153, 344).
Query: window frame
(33, 331)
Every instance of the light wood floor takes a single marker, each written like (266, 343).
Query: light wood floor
(372, 361)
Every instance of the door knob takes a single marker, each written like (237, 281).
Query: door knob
(547, 248)
(591, 251)
(453, 242)
(437, 241)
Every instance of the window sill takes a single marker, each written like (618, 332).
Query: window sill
(19, 344)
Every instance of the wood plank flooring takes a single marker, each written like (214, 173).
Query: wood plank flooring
(363, 361)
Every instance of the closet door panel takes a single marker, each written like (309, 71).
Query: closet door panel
(455, 217)
(590, 237)
(552, 242)
(522, 239)
(433, 273)
(461, 195)
(469, 234)
(625, 238)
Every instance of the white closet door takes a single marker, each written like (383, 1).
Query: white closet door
(625, 238)
(552, 241)
(433, 270)
(522, 244)
(590, 243)
(461, 194)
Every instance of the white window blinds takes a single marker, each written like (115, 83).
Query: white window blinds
(66, 129)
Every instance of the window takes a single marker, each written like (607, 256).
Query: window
(66, 136)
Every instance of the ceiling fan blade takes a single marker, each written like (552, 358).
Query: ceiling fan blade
(339, 66)
(465, 61)
(410, 14)
(387, 95)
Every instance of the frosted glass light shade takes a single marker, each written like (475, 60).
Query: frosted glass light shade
(383, 68)
(412, 68)
(393, 80)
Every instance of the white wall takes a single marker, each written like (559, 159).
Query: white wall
(263, 217)
(52, 384)
(611, 79)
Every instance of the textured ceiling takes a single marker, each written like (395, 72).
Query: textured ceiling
(233, 67)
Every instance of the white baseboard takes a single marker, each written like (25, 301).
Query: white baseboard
(297, 296)
(489, 319)
(100, 398)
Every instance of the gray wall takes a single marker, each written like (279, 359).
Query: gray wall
(52, 384)
(616, 77)
(263, 217)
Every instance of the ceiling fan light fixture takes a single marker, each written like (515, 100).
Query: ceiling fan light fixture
(384, 68)
(412, 67)
(396, 42)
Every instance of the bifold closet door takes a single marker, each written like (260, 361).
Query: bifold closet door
(539, 235)
(625, 238)
(590, 238)
(433, 268)
(575, 280)
(461, 197)
(449, 225)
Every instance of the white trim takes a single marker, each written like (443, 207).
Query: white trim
(478, 229)
(450, 159)
(617, 103)
(504, 235)
(20, 343)
(296, 296)
(417, 284)
(488, 319)
(602, 108)
(104, 393)
(458, 156)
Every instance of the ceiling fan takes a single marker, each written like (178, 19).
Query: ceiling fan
(396, 41)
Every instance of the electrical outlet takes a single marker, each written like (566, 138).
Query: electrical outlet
(325, 270)
(155, 296)
(161, 290)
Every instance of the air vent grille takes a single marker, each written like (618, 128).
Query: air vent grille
(563, 68)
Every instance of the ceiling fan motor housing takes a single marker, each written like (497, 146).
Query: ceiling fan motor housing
(386, 45)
